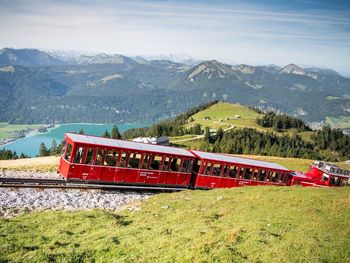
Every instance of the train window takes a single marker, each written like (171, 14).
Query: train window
(225, 170)
(184, 165)
(146, 162)
(208, 170)
(68, 152)
(255, 174)
(156, 161)
(204, 166)
(99, 157)
(262, 175)
(111, 158)
(123, 159)
(79, 155)
(89, 156)
(284, 177)
(217, 169)
(233, 171)
(134, 161)
(269, 176)
(166, 164)
(189, 166)
(175, 164)
(248, 173)
(274, 177)
(241, 172)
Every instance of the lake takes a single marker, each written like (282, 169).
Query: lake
(30, 144)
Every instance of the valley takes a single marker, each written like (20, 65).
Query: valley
(41, 88)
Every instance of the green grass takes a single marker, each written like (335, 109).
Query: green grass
(342, 122)
(252, 224)
(7, 130)
(223, 110)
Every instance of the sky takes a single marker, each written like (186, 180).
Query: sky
(305, 32)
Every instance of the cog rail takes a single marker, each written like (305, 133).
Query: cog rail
(62, 184)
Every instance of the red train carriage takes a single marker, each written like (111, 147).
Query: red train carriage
(214, 170)
(322, 174)
(97, 159)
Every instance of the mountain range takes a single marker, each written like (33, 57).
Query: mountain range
(41, 87)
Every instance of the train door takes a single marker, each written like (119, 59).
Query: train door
(78, 159)
(90, 161)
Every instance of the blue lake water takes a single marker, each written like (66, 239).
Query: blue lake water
(30, 145)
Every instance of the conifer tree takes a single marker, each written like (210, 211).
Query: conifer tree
(43, 151)
(106, 134)
(115, 133)
(53, 148)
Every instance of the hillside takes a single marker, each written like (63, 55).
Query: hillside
(236, 129)
(116, 88)
(253, 224)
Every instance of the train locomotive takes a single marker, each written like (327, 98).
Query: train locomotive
(93, 159)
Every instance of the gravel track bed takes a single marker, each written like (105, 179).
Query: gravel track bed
(16, 201)
(30, 174)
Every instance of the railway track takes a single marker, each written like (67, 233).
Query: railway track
(62, 184)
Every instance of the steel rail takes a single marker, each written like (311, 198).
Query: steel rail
(62, 184)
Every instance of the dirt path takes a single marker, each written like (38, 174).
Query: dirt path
(40, 163)
(201, 136)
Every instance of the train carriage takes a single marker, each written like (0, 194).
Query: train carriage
(322, 174)
(215, 170)
(104, 160)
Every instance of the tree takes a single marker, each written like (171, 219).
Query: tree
(43, 151)
(53, 148)
(106, 134)
(116, 133)
(220, 134)
(197, 129)
(207, 134)
(81, 131)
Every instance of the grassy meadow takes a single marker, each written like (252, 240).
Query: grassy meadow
(7, 130)
(226, 115)
(252, 224)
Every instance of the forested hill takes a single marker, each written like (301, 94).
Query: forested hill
(237, 129)
(37, 87)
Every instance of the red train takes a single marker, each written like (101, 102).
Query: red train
(102, 160)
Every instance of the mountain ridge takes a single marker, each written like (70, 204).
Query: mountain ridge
(146, 90)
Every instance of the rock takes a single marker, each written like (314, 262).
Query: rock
(16, 201)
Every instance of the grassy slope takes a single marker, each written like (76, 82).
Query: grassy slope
(247, 118)
(254, 224)
(341, 121)
(7, 130)
(222, 110)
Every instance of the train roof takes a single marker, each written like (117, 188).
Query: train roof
(237, 160)
(80, 138)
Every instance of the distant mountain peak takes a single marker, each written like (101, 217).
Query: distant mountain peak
(104, 58)
(27, 57)
(246, 69)
(294, 69)
(209, 69)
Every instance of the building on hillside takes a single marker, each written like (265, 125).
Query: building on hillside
(162, 140)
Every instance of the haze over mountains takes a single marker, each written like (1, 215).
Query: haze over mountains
(40, 87)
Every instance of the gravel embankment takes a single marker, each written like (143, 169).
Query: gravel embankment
(30, 174)
(14, 201)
